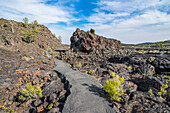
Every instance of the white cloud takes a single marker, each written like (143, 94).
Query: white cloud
(102, 17)
(153, 25)
(35, 10)
(130, 5)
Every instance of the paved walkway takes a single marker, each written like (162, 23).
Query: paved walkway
(85, 95)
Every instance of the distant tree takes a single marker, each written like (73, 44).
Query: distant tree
(34, 25)
(59, 38)
(35, 22)
(54, 35)
(25, 20)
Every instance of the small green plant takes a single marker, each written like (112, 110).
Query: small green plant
(59, 38)
(160, 93)
(34, 25)
(27, 58)
(162, 98)
(28, 37)
(151, 74)
(91, 72)
(54, 35)
(79, 64)
(47, 55)
(115, 88)
(3, 107)
(112, 74)
(25, 22)
(10, 111)
(30, 92)
(130, 68)
(151, 59)
(163, 87)
(150, 91)
(168, 78)
(50, 106)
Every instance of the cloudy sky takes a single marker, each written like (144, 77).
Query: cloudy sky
(130, 21)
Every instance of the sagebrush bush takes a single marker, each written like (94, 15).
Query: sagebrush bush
(31, 92)
(151, 59)
(29, 37)
(114, 88)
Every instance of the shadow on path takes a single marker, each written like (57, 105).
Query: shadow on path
(96, 90)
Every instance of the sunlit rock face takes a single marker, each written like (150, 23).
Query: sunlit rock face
(85, 41)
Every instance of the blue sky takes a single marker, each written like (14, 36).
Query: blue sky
(130, 21)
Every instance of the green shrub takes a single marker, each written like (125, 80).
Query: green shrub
(50, 106)
(112, 74)
(161, 92)
(34, 26)
(30, 92)
(28, 37)
(114, 88)
(150, 91)
(59, 38)
(25, 22)
(163, 87)
(79, 64)
(91, 72)
(151, 59)
(130, 68)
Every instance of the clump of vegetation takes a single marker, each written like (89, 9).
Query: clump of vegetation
(79, 64)
(151, 59)
(142, 51)
(114, 88)
(163, 87)
(46, 56)
(112, 74)
(34, 26)
(168, 78)
(130, 68)
(150, 91)
(3, 107)
(27, 58)
(31, 92)
(59, 38)
(28, 37)
(25, 22)
(91, 72)
(50, 106)
(161, 92)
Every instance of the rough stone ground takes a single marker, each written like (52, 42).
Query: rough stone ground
(142, 70)
(86, 96)
(16, 73)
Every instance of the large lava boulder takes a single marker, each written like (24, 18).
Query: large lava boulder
(85, 41)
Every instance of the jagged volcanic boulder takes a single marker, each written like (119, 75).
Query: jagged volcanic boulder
(85, 41)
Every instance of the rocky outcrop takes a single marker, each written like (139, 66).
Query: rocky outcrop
(12, 33)
(85, 41)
